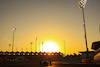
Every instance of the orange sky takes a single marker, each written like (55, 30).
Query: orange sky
(48, 20)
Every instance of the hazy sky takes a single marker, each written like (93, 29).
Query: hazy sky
(49, 20)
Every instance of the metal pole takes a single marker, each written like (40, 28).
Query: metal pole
(22, 49)
(16, 48)
(99, 29)
(31, 46)
(85, 32)
(65, 47)
(13, 41)
(35, 43)
(42, 46)
(9, 47)
(39, 47)
(26, 49)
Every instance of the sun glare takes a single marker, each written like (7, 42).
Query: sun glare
(50, 47)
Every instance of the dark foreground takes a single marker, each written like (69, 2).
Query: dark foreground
(55, 64)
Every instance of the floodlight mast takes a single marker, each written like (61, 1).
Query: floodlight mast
(16, 48)
(39, 47)
(82, 4)
(99, 29)
(9, 47)
(31, 46)
(13, 38)
(35, 44)
(65, 47)
(42, 46)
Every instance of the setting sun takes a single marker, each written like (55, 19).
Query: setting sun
(50, 47)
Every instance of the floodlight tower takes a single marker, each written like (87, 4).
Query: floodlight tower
(42, 46)
(35, 43)
(16, 48)
(14, 29)
(82, 4)
(26, 49)
(22, 49)
(99, 29)
(65, 47)
(31, 46)
(9, 47)
(39, 47)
